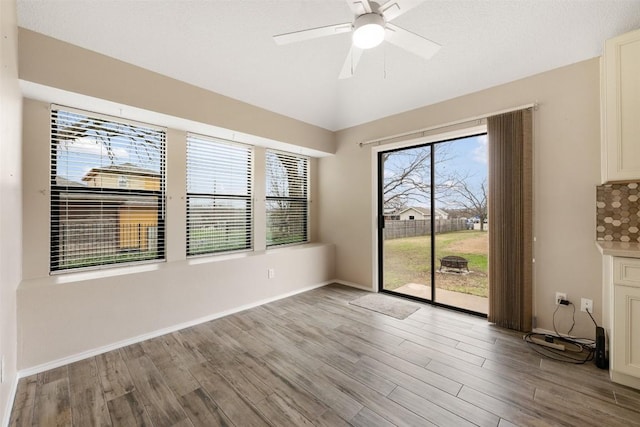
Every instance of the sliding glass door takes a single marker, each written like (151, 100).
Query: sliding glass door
(432, 209)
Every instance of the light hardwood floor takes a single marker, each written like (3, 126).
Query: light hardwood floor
(313, 359)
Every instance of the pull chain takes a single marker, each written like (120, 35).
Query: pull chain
(384, 62)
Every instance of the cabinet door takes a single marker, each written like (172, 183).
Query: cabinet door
(626, 354)
(626, 271)
(621, 108)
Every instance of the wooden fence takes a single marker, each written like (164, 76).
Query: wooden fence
(94, 240)
(397, 229)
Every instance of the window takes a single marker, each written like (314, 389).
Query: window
(107, 191)
(123, 181)
(219, 204)
(287, 198)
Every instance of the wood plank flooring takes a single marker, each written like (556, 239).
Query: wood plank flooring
(314, 359)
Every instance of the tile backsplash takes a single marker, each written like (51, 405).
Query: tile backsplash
(618, 212)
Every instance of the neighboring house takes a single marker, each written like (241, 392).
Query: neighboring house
(391, 214)
(421, 213)
(137, 217)
(125, 175)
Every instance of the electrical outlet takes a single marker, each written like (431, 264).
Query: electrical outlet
(560, 296)
(271, 273)
(586, 304)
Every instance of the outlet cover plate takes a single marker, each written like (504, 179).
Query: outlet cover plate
(586, 304)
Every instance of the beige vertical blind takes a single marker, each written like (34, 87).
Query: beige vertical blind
(107, 191)
(511, 219)
(219, 195)
(287, 198)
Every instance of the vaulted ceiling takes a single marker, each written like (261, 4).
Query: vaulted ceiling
(226, 46)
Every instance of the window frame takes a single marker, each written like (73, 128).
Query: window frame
(57, 192)
(248, 197)
(304, 199)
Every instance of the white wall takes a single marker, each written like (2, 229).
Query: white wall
(67, 316)
(567, 169)
(10, 200)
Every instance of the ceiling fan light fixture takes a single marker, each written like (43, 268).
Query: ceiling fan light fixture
(368, 31)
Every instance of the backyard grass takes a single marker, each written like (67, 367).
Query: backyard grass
(406, 261)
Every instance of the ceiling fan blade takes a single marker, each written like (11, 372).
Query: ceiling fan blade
(359, 7)
(313, 33)
(411, 42)
(394, 8)
(350, 64)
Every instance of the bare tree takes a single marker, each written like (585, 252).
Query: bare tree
(286, 194)
(71, 127)
(463, 194)
(407, 176)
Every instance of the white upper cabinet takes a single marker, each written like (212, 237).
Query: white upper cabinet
(621, 108)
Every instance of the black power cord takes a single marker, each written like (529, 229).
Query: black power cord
(573, 317)
(574, 350)
(594, 320)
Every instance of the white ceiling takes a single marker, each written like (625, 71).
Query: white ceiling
(226, 46)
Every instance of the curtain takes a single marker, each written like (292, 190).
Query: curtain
(511, 219)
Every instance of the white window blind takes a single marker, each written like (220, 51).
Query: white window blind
(219, 203)
(107, 191)
(287, 198)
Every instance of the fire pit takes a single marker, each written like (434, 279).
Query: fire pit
(453, 261)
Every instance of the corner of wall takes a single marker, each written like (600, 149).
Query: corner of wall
(11, 201)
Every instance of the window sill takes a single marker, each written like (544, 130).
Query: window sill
(80, 276)
(86, 276)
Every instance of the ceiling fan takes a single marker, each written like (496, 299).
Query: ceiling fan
(370, 27)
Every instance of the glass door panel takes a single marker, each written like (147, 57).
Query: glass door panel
(460, 224)
(406, 237)
(433, 236)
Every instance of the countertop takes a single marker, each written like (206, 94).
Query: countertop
(623, 249)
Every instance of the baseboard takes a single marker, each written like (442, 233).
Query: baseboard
(119, 344)
(353, 285)
(625, 379)
(11, 398)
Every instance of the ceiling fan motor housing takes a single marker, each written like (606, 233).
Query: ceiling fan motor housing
(368, 30)
(371, 26)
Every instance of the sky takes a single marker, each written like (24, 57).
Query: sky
(76, 157)
(465, 157)
(468, 155)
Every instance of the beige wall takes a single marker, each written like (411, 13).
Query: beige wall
(567, 169)
(10, 200)
(63, 316)
(53, 63)
(66, 316)
(60, 320)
